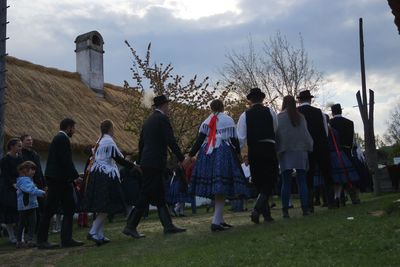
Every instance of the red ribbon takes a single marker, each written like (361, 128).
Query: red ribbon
(212, 125)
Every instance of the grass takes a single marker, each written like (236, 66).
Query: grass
(327, 238)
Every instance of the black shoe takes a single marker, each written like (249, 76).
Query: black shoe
(173, 230)
(217, 228)
(47, 245)
(317, 202)
(133, 233)
(72, 243)
(255, 217)
(224, 224)
(273, 205)
(166, 221)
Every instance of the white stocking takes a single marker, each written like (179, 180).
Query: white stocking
(97, 227)
(219, 210)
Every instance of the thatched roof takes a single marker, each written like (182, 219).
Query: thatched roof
(38, 98)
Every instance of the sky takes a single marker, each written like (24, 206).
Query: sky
(196, 36)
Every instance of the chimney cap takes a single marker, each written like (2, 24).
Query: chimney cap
(90, 36)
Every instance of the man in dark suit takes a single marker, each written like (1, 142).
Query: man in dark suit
(60, 173)
(318, 128)
(345, 129)
(156, 136)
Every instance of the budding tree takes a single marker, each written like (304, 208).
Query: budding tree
(190, 98)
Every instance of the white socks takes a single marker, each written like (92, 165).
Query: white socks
(218, 212)
(11, 234)
(97, 230)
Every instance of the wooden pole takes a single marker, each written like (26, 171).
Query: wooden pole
(3, 39)
(367, 116)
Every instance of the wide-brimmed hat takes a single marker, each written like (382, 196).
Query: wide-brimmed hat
(255, 93)
(159, 100)
(305, 95)
(336, 109)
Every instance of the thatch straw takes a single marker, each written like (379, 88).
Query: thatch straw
(38, 98)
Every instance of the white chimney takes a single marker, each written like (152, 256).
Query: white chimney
(89, 60)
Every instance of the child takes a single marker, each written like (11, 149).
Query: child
(27, 203)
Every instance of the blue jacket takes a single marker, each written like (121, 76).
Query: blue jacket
(26, 185)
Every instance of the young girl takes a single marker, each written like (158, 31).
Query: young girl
(217, 173)
(27, 203)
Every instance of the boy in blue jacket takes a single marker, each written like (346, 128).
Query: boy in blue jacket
(27, 193)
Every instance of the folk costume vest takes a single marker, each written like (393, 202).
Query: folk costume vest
(260, 127)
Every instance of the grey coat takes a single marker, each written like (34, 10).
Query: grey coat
(290, 138)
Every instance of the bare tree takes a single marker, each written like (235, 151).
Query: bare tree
(279, 69)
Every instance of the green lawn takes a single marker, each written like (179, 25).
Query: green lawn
(327, 238)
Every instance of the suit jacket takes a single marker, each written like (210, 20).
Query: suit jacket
(156, 136)
(316, 127)
(60, 166)
(345, 129)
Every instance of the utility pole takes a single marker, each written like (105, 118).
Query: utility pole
(367, 116)
(3, 39)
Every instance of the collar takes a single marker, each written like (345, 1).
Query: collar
(159, 110)
(305, 104)
(337, 116)
(256, 104)
(64, 133)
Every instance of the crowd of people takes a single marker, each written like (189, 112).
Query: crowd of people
(299, 142)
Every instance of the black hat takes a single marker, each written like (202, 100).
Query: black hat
(305, 95)
(255, 92)
(159, 100)
(336, 109)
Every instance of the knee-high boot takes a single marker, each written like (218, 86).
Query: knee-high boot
(132, 222)
(260, 207)
(166, 221)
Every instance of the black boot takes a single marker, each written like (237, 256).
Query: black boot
(166, 221)
(285, 213)
(132, 222)
(259, 208)
(267, 213)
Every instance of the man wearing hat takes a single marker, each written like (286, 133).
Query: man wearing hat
(345, 129)
(318, 127)
(257, 126)
(155, 138)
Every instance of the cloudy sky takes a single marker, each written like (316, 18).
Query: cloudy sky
(195, 36)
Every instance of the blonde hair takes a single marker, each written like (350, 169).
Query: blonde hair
(25, 166)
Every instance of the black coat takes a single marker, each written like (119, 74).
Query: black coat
(8, 178)
(156, 136)
(345, 129)
(315, 125)
(60, 167)
(31, 155)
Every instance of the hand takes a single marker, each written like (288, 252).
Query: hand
(137, 168)
(186, 162)
(78, 180)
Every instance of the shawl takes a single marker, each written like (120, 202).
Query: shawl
(218, 127)
(103, 159)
